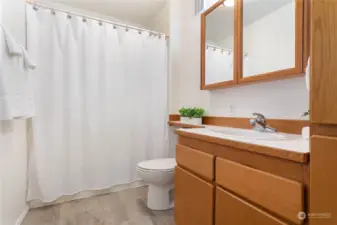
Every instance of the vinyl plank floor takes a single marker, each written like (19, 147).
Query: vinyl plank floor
(119, 208)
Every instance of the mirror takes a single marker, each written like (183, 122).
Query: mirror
(246, 41)
(269, 37)
(218, 44)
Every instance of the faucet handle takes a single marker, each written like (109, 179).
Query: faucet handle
(259, 116)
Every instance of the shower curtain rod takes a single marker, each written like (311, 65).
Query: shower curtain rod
(38, 5)
(223, 49)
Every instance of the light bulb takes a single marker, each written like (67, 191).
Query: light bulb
(229, 3)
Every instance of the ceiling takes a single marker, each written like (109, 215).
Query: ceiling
(135, 11)
(220, 23)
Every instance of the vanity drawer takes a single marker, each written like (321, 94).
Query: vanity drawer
(231, 210)
(196, 161)
(276, 194)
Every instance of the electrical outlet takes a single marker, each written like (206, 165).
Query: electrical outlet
(231, 109)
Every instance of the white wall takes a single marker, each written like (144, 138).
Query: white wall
(286, 99)
(270, 41)
(161, 22)
(13, 137)
(78, 10)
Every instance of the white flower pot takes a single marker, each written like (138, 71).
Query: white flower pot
(192, 121)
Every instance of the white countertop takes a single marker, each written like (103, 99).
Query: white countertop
(288, 142)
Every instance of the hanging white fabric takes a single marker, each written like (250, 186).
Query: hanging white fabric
(219, 65)
(16, 95)
(101, 104)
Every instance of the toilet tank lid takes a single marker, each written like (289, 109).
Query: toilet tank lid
(158, 164)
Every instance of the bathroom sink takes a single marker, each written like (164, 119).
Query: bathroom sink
(248, 134)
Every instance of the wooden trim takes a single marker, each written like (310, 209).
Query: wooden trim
(281, 196)
(203, 85)
(230, 83)
(203, 52)
(286, 73)
(183, 125)
(323, 129)
(259, 149)
(277, 75)
(299, 35)
(174, 117)
(323, 91)
(238, 40)
(280, 167)
(323, 182)
(307, 34)
(285, 126)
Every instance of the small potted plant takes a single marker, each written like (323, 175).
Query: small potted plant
(191, 115)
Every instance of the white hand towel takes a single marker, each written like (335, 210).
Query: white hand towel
(27, 61)
(16, 92)
(12, 47)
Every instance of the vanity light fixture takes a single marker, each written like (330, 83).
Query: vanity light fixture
(229, 3)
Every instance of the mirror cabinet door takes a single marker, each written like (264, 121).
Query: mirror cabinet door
(218, 45)
(271, 39)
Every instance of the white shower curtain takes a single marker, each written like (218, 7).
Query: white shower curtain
(101, 103)
(219, 66)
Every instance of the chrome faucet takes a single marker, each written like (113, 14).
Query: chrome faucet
(260, 124)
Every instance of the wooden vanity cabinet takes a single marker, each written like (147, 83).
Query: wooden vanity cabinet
(215, 187)
(323, 118)
(231, 210)
(194, 199)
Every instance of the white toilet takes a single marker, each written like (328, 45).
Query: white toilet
(159, 175)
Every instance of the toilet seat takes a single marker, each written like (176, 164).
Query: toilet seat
(158, 165)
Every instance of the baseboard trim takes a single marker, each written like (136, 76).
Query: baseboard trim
(282, 125)
(22, 216)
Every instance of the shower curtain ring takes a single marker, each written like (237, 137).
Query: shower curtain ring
(100, 23)
(35, 8)
(52, 12)
(126, 29)
(69, 16)
(84, 19)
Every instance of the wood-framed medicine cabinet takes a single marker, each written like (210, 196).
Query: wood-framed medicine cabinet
(247, 41)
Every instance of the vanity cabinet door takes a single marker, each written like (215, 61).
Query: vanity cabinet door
(231, 210)
(193, 199)
(263, 189)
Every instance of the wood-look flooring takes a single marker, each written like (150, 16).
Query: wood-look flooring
(119, 208)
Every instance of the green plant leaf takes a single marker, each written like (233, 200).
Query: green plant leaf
(192, 112)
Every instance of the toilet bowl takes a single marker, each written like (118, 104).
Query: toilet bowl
(159, 175)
